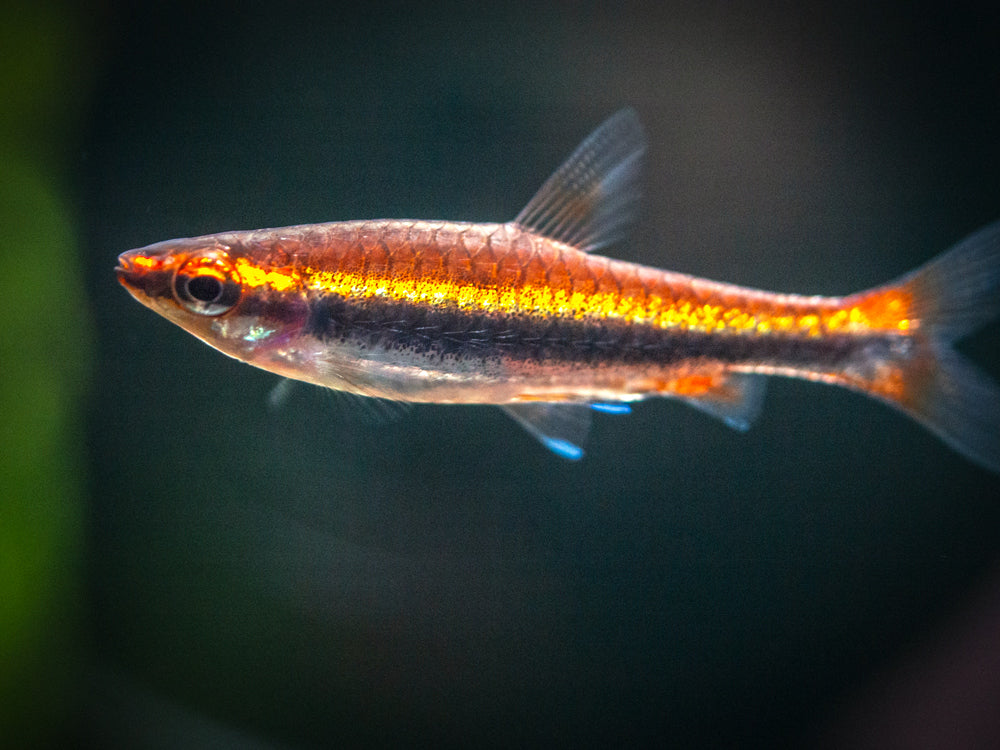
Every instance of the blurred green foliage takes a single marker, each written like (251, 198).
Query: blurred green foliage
(45, 342)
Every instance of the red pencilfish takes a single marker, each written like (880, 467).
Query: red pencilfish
(527, 316)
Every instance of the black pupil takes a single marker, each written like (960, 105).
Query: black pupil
(205, 288)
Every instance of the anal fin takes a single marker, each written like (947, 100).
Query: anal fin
(736, 399)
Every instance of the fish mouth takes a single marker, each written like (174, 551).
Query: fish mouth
(126, 271)
(143, 275)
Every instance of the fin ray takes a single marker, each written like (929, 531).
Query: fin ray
(953, 295)
(592, 199)
(959, 290)
(279, 395)
(961, 405)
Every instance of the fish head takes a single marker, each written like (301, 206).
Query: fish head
(182, 279)
(241, 296)
(194, 283)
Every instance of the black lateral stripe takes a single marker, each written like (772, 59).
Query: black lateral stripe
(440, 330)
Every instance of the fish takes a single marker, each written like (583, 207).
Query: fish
(529, 316)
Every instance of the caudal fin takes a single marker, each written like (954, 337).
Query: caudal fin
(950, 297)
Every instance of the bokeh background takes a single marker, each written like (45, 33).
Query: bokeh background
(183, 566)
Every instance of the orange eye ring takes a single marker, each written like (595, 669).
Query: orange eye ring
(207, 284)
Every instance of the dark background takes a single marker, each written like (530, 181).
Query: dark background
(316, 575)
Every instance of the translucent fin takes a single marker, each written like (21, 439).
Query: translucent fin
(278, 396)
(592, 199)
(961, 405)
(370, 409)
(952, 295)
(562, 428)
(737, 400)
(959, 290)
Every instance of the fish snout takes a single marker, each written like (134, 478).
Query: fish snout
(144, 274)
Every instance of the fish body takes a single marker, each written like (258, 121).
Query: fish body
(526, 315)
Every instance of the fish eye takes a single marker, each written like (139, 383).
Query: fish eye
(207, 284)
(205, 288)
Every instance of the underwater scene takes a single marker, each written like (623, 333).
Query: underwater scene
(198, 553)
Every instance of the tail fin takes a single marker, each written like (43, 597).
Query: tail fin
(951, 296)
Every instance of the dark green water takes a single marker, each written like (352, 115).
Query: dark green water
(309, 576)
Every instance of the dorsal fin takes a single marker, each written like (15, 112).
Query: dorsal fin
(592, 199)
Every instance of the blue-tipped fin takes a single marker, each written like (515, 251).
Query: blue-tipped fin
(736, 400)
(616, 407)
(562, 428)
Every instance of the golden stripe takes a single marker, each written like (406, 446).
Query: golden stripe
(254, 276)
(884, 311)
